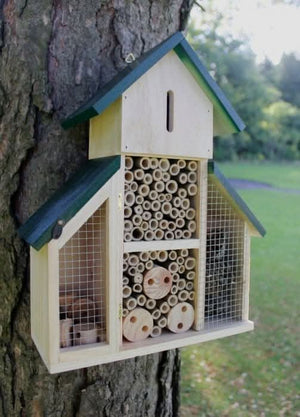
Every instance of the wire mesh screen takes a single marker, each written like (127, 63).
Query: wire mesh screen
(224, 261)
(82, 284)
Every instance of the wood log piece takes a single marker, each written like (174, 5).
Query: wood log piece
(171, 187)
(175, 277)
(144, 256)
(158, 215)
(154, 163)
(156, 331)
(149, 235)
(162, 322)
(65, 326)
(153, 224)
(181, 269)
(180, 260)
(180, 318)
(133, 186)
(189, 285)
(131, 271)
(137, 233)
(85, 334)
(127, 212)
(192, 166)
(176, 201)
(192, 177)
(186, 234)
(174, 289)
(174, 213)
(150, 304)
(144, 190)
(153, 195)
(130, 303)
(163, 224)
(162, 255)
(125, 312)
(164, 164)
(164, 307)
(169, 235)
(182, 178)
(184, 253)
(128, 162)
(138, 325)
(185, 203)
(144, 226)
(182, 193)
(82, 309)
(128, 225)
(183, 295)
(129, 198)
(191, 275)
(138, 277)
(149, 265)
(161, 198)
(128, 177)
(181, 163)
(190, 263)
(159, 234)
(192, 189)
(171, 226)
(133, 260)
(137, 288)
(139, 174)
(125, 281)
(137, 220)
(127, 236)
(157, 174)
(173, 267)
(172, 300)
(192, 296)
(143, 163)
(155, 205)
(146, 216)
(159, 186)
(156, 314)
(168, 197)
(157, 282)
(166, 176)
(192, 226)
(138, 209)
(174, 170)
(141, 300)
(148, 178)
(139, 199)
(126, 291)
(181, 284)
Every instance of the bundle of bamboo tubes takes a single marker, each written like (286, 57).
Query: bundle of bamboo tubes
(159, 198)
(158, 292)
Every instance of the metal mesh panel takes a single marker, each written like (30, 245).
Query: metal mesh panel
(224, 261)
(82, 284)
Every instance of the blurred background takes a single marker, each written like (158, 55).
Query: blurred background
(252, 49)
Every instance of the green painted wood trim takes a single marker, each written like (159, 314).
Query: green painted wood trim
(67, 201)
(215, 171)
(220, 102)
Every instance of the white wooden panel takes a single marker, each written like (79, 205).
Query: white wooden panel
(144, 113)
(161, 245)
(246, 274)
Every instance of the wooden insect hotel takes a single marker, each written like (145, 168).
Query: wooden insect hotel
(147, 247)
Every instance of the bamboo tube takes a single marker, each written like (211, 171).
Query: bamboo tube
(166, 176)
(161, 198)
(125, 256)
(128, 177)
(154, 163)
(190, 214)
(146, 216)
(191, 275)
(174, 213)
(164, 164)
(153, 195)
(181, 269)
(181, 163)
(192, 295)
(127, 237)
(182, 178)
(132, 271)
(192, 226)
(190, 263)
(145, 226)
(181, 284)
(159, 234)
(171, 187)
(141, 300)
(138, 325)
(171, 226)
(153, 255)
(129, 199)
(137, 288)
(128, 225)
(168, 197)
(148, 179)
(157, 283)
(183, 295)
(184, 253)
(176, 202)
(180, 260)
(166, 207)
(139, 199)
(174, 289)
(180, 317)
(159, 186)
(186, 234)
(174, 170)
(156, 314)
(128, 162)
(182, 193)
(179, 222)
(149, 235)
(157, 174)
(133, 186)
(144, 163)
(126, 187)
(150, 304)
(189, 286)
(164, 307)
(163, 224)
(181, 214)
(192, 166)
(149, 265)
(172, 255)
(162, 322)
(125, 312)
(138, 277)
(137, 233)
(126, 291)
(169, 235)
(144, 256)
(155, 205)
(176, 277)
(125, 280)
(144, 190)
(173, 267)
(138, 209)
(158, 215)
(138, 174)
(130, 303)
(162, 255)
(192, 189)
(137, 220)
(172, 300)
(185, 203)
(127, 212)
(192, 177)
(156, 331)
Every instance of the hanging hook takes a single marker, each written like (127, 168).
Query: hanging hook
(130, 58)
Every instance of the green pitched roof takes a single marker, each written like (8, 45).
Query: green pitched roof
(226, 120)
(66, 202)
(235, 199)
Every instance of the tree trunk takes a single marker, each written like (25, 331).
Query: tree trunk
(54, 55)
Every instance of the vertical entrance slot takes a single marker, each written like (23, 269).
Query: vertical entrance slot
(170, 111)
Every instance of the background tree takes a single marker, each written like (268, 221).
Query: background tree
(54, 55)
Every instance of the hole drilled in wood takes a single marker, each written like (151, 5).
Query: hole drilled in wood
(145, 328)
(180, 325)
(170, 111)
(133, 319)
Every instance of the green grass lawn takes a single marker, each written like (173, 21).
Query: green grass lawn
(255, 374)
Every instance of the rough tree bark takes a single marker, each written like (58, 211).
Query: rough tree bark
(54, 55)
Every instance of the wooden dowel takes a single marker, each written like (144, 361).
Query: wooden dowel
(190, 263)
(138, 174)
(156, 331)
(128, 162)
(127, 212)
(174, 169)
(138, 277)
(162, 322)
(157, 282)
(149, 235)
(128, 177)
(154, 163)
(181, 163)
(148, 179)
(181, 284)
(192, 166)
(159, 186)
(137, 220)
(143, 163)
(129, 198)
(172, 300)
(144, 256)
(159, 234)
(164, 164)
(183, 295)
(171, 187)
(133, 186)
(192, 177)
(138, 325)
(150, 304)
(144, 190)
(180, 317)
(137, 288)
(192, 189)
(182, 193)
(169, 235)
(156, 314)
(153, 195)
(126, 291)
(137, 233)
(130, 303)
(141, 300)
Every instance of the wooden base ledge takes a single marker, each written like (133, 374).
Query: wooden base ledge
(75, 358)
